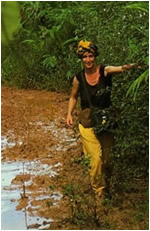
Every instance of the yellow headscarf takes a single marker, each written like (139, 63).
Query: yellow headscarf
(84, 46)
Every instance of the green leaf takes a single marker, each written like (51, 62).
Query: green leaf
(28, 41)
(144, 6)
(10, 19)
(32, 43)
(137, 83)
(146, 60)
(71, 40)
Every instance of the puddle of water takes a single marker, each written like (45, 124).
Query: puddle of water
(21, 221)
(55, 195)
(10, 193)
(65, 136)
(38, 223)
(10, 218)
(38, 169)
(6, 144)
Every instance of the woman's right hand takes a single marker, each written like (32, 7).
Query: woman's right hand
(69, 121)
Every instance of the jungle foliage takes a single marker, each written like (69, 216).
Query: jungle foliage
(42, 55)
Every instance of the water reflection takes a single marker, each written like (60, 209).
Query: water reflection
(10, 193)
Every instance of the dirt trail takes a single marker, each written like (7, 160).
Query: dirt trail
(40, 156)
(35, 137)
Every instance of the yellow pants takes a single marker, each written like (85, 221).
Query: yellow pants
(92, 149)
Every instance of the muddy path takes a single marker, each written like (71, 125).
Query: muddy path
(35, 143)
(41, 160)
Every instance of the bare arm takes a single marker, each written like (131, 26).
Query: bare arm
(72, 101)
(119, 69)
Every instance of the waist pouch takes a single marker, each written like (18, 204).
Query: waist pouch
(92, 117)
(85, 118)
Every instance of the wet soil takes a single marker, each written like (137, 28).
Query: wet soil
(44, 178)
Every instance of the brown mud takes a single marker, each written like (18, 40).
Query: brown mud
(50, 162)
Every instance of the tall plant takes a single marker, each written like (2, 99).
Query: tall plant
(143, 78)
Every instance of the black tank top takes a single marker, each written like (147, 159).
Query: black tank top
(99, 93)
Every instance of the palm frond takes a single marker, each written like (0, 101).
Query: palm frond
(133, 89)
(144, 6)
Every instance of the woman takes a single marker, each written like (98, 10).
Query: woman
(95, 77)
